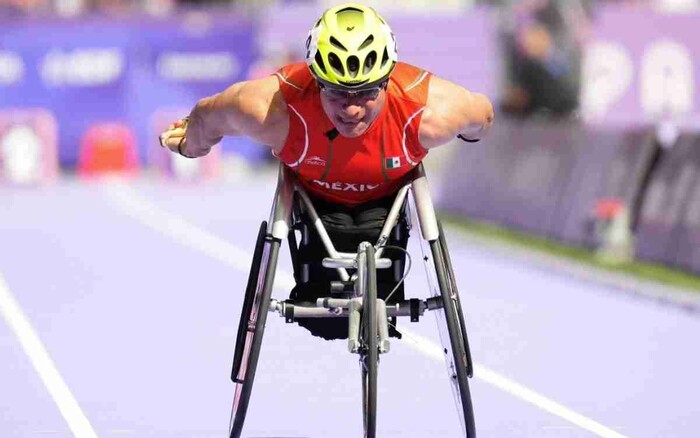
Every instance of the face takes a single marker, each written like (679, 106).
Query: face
(352, 113)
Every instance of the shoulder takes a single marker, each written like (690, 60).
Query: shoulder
(259, 106)
(410, 83)
(446, 94)
(295, 81)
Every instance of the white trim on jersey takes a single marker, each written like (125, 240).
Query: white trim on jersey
(287, 82)
(413, 85)
(306, 138)
(405, 151)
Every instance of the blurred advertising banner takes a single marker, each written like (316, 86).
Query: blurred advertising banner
(28, 146)
(642, 66)
(98, 70)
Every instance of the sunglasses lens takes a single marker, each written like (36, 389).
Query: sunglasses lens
(368, 94)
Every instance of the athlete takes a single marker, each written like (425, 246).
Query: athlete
(351, 122)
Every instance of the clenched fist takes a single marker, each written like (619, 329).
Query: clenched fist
(174, 136)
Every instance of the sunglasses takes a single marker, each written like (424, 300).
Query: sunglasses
(364, 94)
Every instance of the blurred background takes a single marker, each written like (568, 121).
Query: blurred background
(128, 263)
(598, 105)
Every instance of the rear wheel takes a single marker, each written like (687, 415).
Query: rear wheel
(369, 356)
(252, 326)
(248, 301)
(459, 361)
(455, 296)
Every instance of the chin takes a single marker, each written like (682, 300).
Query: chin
(352, 132)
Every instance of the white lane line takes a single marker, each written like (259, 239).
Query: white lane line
(180, 230)
(543, 402)
(44, 366)
(191, 235)
(434, 351)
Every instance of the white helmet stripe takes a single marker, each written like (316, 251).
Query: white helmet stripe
(391, 47)
(312, 46)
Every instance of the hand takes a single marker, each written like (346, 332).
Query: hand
(174, 136)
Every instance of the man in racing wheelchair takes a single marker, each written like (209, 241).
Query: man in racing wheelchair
(352, 123)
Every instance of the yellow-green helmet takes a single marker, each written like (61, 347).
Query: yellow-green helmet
(351, 46)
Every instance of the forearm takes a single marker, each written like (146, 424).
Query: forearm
(255, 109)
(208, 122)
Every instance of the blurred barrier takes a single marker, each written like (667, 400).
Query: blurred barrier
(542, 178)
(571, 183)
(669, 224)
(28, 146)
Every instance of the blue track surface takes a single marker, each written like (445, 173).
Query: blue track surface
(135, 291)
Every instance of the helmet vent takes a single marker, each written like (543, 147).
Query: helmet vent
(349, 9)
(319, 62)
(353, 66)
(336, 64)
(370, 60)
(367, 42)
(385, 57)
(338, 45)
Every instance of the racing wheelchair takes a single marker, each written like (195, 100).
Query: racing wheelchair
(354, 296)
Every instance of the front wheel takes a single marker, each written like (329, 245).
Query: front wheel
(369, 356)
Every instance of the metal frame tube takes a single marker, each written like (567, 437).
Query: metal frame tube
(383, 326)
(424, 205)
(355, 316)
(391, 219)
(280, 216)
(341, 308)
(325, 239)
(389, 223)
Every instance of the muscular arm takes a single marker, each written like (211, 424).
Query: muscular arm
(452, 110)
(255, 109)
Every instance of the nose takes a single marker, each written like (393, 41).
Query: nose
(351, 111)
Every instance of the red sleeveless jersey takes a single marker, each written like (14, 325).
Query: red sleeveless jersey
(351, 171)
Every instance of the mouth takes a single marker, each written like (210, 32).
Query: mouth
(348, 124)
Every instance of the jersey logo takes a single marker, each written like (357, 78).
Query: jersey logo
(315, 161)
(393, 162)
(346, 187)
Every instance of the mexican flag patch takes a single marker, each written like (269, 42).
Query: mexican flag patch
(393, 162)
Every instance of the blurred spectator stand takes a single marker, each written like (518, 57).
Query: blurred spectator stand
(542, 41)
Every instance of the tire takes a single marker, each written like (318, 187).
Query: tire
(369, 359)
(252, 328)
(248, 301)
(461, 358)
(458, 303)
